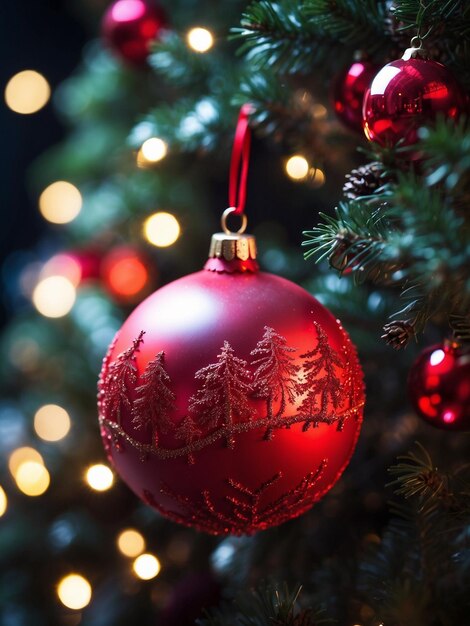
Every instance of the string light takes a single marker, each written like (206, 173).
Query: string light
(51, 422)
(130, 542)
(3, 501)
(54, 296)
(153, 150)
(99, 477)
(200, 39)
(32, 478)
(161, 229)
(21, 455)
(297, 167)
(27, 92)
(74, 591)
(60, 202)
(146, 566)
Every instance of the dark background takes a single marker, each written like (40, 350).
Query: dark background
(47, 36)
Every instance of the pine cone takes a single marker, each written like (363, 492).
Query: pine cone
(364, 180)
(397, 334)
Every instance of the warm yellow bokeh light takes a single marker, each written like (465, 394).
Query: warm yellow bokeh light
(27, 92)
(74, 591)
(60, 202)
(154, 149)
(200, 39)
(99, 477)
(161, 229)
(130, 542)
(54, 296)
(21, 455)
(51, 422)
(3, 501)
(317, 178)
(297, 167)
(146, 566)
(32, 478)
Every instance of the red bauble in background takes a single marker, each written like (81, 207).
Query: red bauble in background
(126, 274)
(129, 26)
(408, 94)
(348, 92)
(231, 399)
(439, 387)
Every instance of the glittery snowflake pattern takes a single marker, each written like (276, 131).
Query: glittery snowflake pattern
(244, 513)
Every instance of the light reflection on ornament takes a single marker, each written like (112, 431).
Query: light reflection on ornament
(297, 167)
(51, 422)
(74, 591)
(437, 357)
(54, 296)
(146, 566)
(99, 477)
(161, 229)
(27, 92)
(200, 39)
(60, 202)
(32, 478)
(130, 542)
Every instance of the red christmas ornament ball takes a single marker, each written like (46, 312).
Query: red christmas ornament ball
(406, 95)
(129, 26)
(231, 399)
(439, 387)
(348, 92)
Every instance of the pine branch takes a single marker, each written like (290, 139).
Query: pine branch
(266, 605)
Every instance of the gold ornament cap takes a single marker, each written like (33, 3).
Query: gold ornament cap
(233, 247)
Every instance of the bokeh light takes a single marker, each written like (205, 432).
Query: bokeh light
(154, 150)
(316, 177)
(51, 422)
(200, 39)
(74, 591)
(54, 296)
(161, 229)
(297, 167)
(21, 455)
(27, 92)
(3, 501)
(130, 542)
(32, 478)
(146, 566)
(99, 477)
(63, 265)
(60, 202)
(125, 272)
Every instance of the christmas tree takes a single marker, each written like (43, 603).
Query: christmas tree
(360, 154)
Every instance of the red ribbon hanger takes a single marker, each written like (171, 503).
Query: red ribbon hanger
(239, 162)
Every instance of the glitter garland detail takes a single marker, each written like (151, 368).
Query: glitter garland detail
(246, 515)
(112, 429)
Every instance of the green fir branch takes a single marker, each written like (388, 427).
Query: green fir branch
(265, 605)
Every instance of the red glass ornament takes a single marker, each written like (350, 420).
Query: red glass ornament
(125, 273)
(439, 387)
(129, 26)
(408, 94)
(348, 92)
(231, 399)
